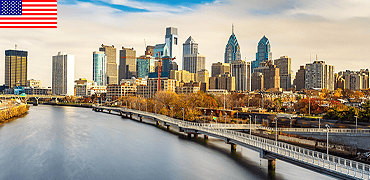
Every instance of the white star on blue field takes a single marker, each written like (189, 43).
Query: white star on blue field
(174, 6)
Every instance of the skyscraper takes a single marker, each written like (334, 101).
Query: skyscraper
(171, 39)
(319, 75)
(145, 65)
(161, 49)
(100, 68)
(284, 65)
(112, 72)
(299, 80)
(16, 62)
(232, 50)
(263, 52)
(127, 63)
(192, 61)
(239, 71)
(63, 74)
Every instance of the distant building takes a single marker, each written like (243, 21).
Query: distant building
(137, 82)
(263, 53)
(161, 50)
(271, 75)
(239, 71)
(127, 63)
(232, 50)
(82, 87)
(319, 76)
(152, 88)
(353, 80)
(220, 68)
(38, 90)
(171, 40)
(284, 63)
(174, 66)
(145, 65)
(300, 78)
(248, 76)
(112, 72)
(203, 76)
(223, 81)
(100, 68)
(182, 76)
(116, 91)
(97, 90)
(63, 74)
(257, 81)
(339, 81)
(190, 87)
(149, 50)
(16, 64)
(34, 83)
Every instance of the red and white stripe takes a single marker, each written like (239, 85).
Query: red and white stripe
(35, 14)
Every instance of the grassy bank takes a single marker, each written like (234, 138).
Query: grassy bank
(11, 112)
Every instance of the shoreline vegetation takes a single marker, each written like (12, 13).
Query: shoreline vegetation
(15, 110)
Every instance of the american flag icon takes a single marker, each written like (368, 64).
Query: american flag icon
(28, 14)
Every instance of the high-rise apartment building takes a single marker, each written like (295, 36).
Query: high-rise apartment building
(239, 71)
(232, 50)
(339, 81)
(16, 63)
(112, 72)
(189, 47)
(182, 76)
(63, 74)
(263, 53)
(319, 75)
(285, 67)
(127, 63)
(145, 65)
(171, 40)
(353, 80)
(100, 68)
(203, 76)
(220, 68)
(300, 78)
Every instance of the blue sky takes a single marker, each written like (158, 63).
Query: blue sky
(132, 8)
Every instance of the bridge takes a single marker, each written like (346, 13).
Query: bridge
(34, 98)
(271, 150)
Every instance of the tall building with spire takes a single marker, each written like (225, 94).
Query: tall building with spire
(263, 53)
(232, 50)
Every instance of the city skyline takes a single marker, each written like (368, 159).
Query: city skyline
(295, 29)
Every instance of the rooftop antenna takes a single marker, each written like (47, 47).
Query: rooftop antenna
(310, 58)
(15, 47)
(233, 28)
(316, 57)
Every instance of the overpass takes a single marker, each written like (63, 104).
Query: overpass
(271, 150)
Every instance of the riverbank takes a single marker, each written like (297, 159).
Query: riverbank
(8, 113)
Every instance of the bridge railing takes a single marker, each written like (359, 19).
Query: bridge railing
(309, 130)
(330, 162)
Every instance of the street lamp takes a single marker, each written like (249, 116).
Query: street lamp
(212, 116)
(327, 140)
(225, 118)
(250, 125)
(250, 118)
(276, 122)
(319, 124)
(155, 108)
(130, 105)
(171, 112)
(139, 106)
(224, 100)
(204, 117)
(146, 107)
(290, 118)
(183, 114)
(356, 123)
(237, 118)
(255, 121)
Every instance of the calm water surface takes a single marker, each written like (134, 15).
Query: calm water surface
(77, 143)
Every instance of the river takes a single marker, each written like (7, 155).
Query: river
(52, 142)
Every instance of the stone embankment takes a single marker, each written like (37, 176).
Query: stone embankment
(11, 109)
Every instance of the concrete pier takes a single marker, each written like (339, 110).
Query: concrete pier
(271, 164)
(205, 137)
(233, 147)
(195, 135)
(141, 118)
(157, 123)
(168, 127)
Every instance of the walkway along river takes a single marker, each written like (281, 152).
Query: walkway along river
(54, 142)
